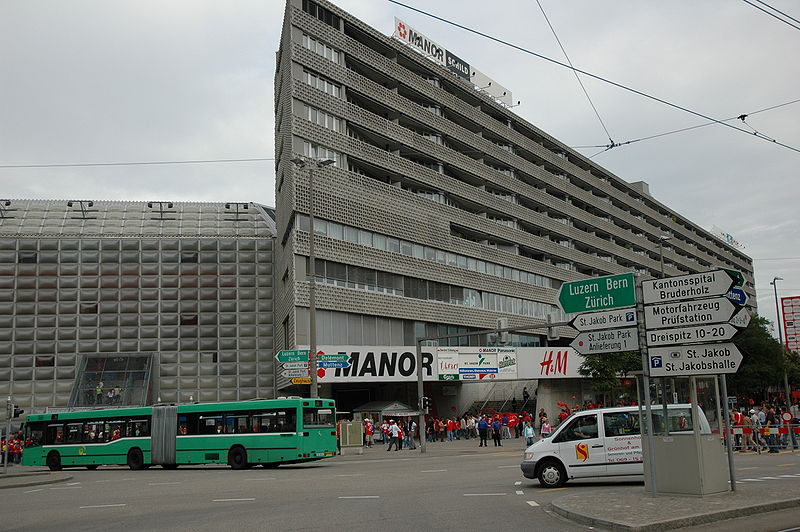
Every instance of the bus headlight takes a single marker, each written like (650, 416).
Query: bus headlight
(528, 457)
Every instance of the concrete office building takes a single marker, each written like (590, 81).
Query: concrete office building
(444, 210)
(155, 300)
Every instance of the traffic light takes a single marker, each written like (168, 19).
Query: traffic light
(17, 411)
(425, 403)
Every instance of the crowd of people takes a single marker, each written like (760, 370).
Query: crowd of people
(11, 448)
(762, 427)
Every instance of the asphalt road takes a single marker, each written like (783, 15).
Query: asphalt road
(453, 487)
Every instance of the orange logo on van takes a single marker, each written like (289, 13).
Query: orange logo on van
(582, 452)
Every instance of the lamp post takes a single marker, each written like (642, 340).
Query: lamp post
(778, 325)
(312, 164)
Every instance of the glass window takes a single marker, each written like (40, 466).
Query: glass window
(74, 433)
(621, 423)
(430, 253)
(441, 256)
(318, 418)
(365, 237)
(393, 245)
(351, 234)
(320, 226)
(336, 271)
(335, 230)
(580, 428)
(139, 427)
(275, 421)
(405, 247)
(418, 251)
(379, 241)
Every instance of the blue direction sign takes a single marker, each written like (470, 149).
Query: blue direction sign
(737, 295)
(332, 364)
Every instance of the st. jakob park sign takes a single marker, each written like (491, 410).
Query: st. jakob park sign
(465, 364)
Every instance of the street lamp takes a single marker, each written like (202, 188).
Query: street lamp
(778, 325)
(312, 164)
(661, 240)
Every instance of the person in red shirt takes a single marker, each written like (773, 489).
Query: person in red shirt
(369, 430)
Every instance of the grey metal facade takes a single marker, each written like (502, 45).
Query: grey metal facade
(190, 284)
(422, 157)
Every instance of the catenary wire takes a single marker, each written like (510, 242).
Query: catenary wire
(577, 77)
(778, 11)
(771, 14)
(589, 74)
(681, 130)
(134, 163)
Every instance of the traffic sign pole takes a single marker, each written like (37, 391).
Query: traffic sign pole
(648, 421)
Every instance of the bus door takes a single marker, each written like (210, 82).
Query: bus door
(280, 426)
(164, 430)
(319, 431)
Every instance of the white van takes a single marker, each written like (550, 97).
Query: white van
(604, 442)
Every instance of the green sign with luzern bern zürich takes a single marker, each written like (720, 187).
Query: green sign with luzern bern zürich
(599, 293)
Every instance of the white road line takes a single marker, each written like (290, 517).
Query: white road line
(787, 476)
(231, 500)
(434, 471)
(506, 466)
(162, 483)
(361, 497)
(483, 494)
(67, 488)
(72, 483)
(520, 492)
(102, 506)
(532, 503)
(518, 483)
(752, 480)
(770, 478)
(33, 491)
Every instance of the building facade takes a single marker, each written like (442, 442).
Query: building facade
(127, 303)
(443, 210)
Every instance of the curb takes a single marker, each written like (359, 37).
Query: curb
(49, 479)
(680, 522)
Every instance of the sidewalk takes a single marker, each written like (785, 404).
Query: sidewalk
(22, 477)
(631, 509)
(454, 448)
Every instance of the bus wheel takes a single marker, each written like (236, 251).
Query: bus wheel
(54, 461)
(552, 474)
(169, 466)
(92, 467)
(237, 458)
(135, 459)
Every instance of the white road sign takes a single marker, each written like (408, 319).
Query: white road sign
(592, 321)
(699, 312)
(706, 284)
(689, 335)
(295, 365)
(741, 319)
(708, 359)
(610, 341)
(289, 373)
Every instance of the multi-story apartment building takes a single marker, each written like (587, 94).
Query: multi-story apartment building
(443, 209)
(156, 301)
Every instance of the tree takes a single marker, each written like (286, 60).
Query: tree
(605, 370)
(763, 361)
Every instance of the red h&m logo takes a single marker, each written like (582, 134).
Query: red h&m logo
(553, 367)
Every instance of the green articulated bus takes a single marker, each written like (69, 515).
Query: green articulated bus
(240, 434)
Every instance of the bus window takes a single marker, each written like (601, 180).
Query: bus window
(276, 421)
(74, 432)
(236, 423)
(138, 427)
(114, 430)
(318, 418)
(54, 435)
(211, 424)
(91, 432)
(34, 435)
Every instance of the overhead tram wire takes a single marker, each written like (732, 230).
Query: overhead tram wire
(681, 130)
(594, 76)
(577, 77)
(778, 11)
(137, 163)
(772, 14)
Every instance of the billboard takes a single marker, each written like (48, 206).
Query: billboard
(468, 364)
(790, 309)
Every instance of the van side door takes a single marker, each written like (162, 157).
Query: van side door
(623, 441)
(581, 447)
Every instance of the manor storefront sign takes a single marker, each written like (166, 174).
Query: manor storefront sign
(468, 364)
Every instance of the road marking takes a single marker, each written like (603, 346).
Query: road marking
(361, 497)
(532, 503)
(231, 500)
(518, 483)
(72, 483)
(786, 465)
(162, 483)
(520, 492)
(67, 488)
(506, 466)
(102, 506)
(484, 494)
(752, 480)
(434, 471)
(33, 491)
(745, 468)
(770, 478)
(787, 476)
(551, 489)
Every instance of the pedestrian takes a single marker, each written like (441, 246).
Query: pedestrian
(483, 429)
(496, 434)
(506, 432)
(451, 427)
(525, 395)
(514, 404)
(369, 430)
(394, 436)
(545, 429)
(411, 429)
(529, 433)
(755, 422)
(771, 424)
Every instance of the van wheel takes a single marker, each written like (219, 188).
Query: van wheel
(552, 474)
(135, 459)
(92, 467)
(237, 458)
(54, 461)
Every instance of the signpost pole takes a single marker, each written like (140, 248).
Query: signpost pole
(420, 394)
(648, 421)
(731, 468)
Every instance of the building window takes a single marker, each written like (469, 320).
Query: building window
(322, 118)
(189, 319)
(322, 83)
(188, 258)
(45, 361)
(28, 258)
(320, 48)
(317, 151)
(325, 15)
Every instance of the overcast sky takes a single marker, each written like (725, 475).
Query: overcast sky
(93, 81)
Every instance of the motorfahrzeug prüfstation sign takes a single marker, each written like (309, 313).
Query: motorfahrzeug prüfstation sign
(683, 314)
